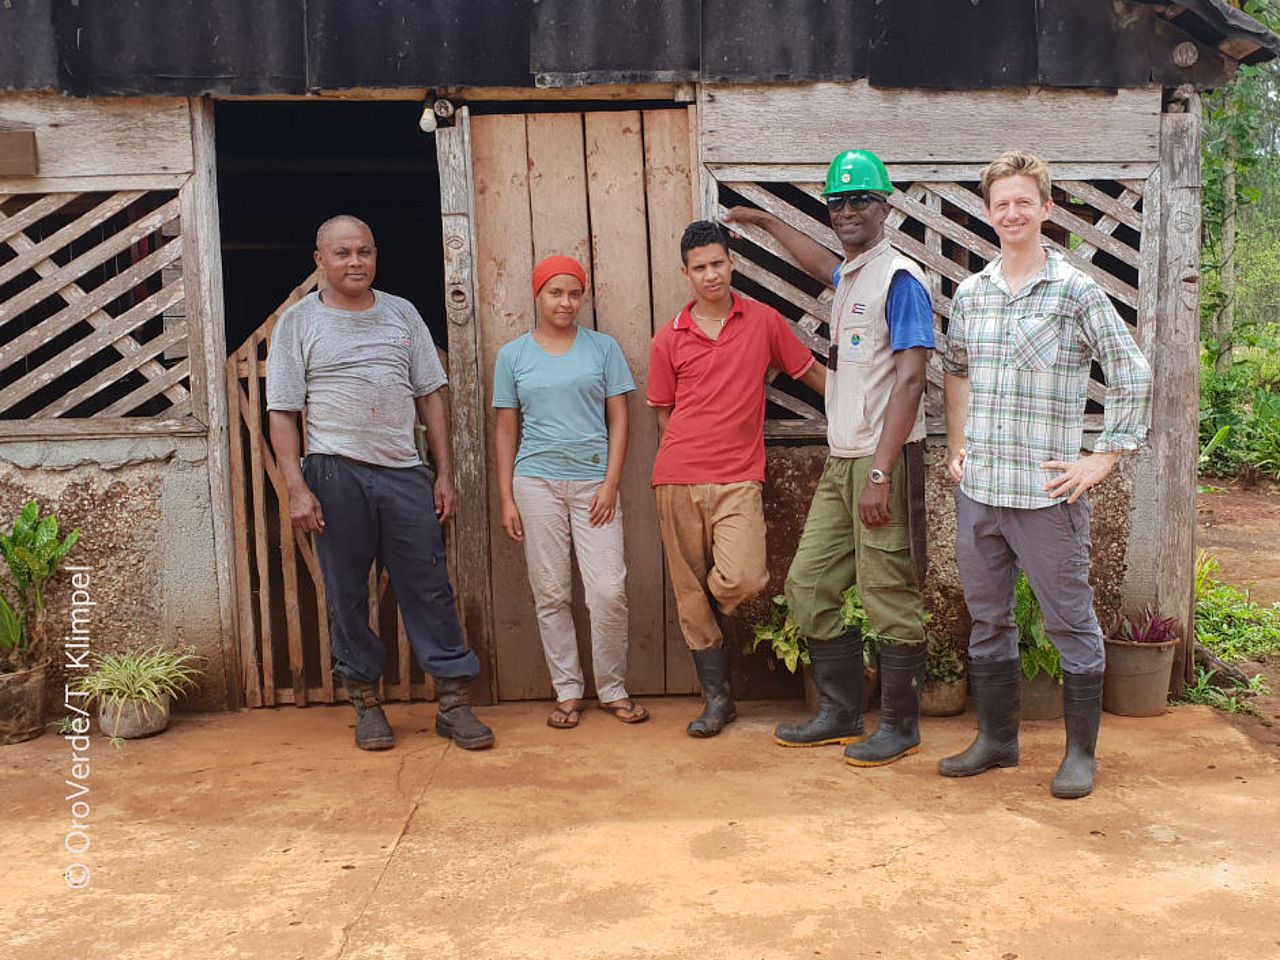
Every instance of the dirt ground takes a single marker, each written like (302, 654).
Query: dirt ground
(265, 834)
(1241, 527)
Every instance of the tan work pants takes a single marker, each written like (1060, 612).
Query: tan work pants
(714, 537)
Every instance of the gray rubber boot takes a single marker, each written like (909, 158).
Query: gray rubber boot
(372, 730)
(997, 692)
(839, 673)
(713, 674)
(1082, 712)
(454, 718)
(902, 668)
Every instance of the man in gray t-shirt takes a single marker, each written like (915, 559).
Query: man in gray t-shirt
(362, 366)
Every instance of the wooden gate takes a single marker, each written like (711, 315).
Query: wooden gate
(614, 189)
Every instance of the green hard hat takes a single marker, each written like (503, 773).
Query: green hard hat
(857, 171)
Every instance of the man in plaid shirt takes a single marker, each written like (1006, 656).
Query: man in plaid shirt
(1022, 336)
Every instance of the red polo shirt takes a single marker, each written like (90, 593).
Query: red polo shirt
(716, 387)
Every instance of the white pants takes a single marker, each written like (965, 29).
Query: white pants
(557, 514)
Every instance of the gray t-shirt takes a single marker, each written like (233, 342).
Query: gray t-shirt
(356, 374)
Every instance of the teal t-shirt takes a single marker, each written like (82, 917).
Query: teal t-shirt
(561, 400)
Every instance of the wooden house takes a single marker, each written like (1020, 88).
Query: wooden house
(163, 165)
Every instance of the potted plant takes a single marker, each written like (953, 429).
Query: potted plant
(1041, 668)
(31, 551)
(134, 689)
(944, 690)
(1139, 660)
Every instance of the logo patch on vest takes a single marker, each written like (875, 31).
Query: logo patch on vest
(855, 340)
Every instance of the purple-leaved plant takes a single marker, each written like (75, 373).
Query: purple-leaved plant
(1146, 627)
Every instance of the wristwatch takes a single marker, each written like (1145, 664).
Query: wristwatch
(877, 476)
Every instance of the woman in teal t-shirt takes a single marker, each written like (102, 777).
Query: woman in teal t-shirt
(561, 397)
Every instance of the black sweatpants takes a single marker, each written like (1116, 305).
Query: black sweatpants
(388, 514)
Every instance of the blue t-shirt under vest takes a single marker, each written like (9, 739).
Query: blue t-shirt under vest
(908, 312)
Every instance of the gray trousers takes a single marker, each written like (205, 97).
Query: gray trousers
(1052, 545)
(556, 516)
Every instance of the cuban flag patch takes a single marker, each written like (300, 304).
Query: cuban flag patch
(859, 309)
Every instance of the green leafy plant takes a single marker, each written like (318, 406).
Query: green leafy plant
(945, 664)
(1035, 650)
(1262, 446)
(854, 614)
(783, 637)
(10, 628)
(1240, 418)
(1213, 443)
(1206, 567)
(781, 634)
(148, 675)
(32, 551)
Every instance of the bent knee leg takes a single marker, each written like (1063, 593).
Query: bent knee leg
(734, 587)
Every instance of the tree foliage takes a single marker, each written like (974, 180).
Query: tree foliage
(1242, 122)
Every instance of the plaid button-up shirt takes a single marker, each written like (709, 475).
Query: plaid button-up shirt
(1027, 357)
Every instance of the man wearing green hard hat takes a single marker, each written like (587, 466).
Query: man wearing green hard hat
(866, 521)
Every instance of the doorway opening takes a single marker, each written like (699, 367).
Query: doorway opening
(284, 168)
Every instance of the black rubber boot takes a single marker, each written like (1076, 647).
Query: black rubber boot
(1082, 712)
(839, 673)
(454, 718)
(713, 674)
(901, 678)
(997, 693)
(372, 730)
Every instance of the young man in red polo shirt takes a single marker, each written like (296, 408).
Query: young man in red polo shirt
(706, 381)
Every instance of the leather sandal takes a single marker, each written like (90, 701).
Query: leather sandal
(566, 715)
(628, 711)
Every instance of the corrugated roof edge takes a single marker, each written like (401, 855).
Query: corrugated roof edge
(1215, 22)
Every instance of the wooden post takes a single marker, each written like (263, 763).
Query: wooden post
(1175, 361)
(202, 268)
(471, 523)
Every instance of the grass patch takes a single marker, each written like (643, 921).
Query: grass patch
(1234, 626)
(1204, 693)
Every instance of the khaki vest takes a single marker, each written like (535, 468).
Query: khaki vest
(858, 391)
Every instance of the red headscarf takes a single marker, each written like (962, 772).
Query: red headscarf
(555, 266)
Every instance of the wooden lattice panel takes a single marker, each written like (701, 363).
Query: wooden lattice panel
(1096, 224)
(86, 280)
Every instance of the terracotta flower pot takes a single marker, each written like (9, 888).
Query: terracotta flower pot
(22, 705)
(943, 698)
(133, 718)
(1041, 698)
(1136, 683)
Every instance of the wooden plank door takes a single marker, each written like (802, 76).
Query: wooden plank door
(612, 189)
